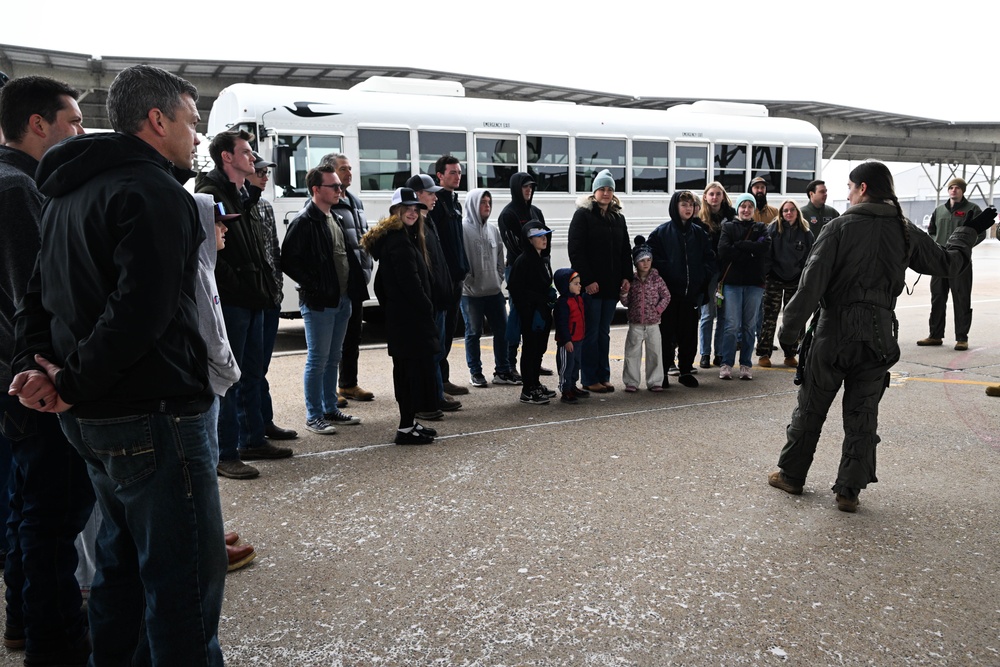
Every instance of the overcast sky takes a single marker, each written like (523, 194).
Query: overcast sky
(901, 58)
(879, 55)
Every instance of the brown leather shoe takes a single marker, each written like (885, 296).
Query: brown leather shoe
(778, 481)
(239, 556)
(993, 390)
(791, 362)
(764, 362)
(845, 504)
(454, 389)
(925, 342)
(962, 345)
(231, 538)
(356, 393)
(341, 401)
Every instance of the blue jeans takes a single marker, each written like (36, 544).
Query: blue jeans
(240, 422)
(325, 331)
(161, 558)
(597, 341)
(474, 308)
(51, 501)
(270, 334)
(711, 316)
(742, 306)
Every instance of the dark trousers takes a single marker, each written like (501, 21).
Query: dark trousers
(51, 502)
(533, 344)
(568, 365)
(352, 346)
(961, 293)
(450, 322)
(413, 383)
(270, 335)
(679, 325)
(864, 376)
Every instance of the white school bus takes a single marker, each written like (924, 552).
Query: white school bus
(393, 128)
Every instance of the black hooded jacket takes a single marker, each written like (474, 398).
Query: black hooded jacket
(682, 255)
(242, 273)
(112, 298)
(515, 215)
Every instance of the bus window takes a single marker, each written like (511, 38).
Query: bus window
(384, 158)
(594, 155)
(548, 163)
(496, 162)
(650, 160)
(433, 145)
(731, 166)
(306, 153)
(691, 172)
(767, 165)
(801, 169)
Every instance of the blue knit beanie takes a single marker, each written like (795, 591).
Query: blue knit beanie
(604, 179)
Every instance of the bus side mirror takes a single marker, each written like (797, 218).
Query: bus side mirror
(282, 157)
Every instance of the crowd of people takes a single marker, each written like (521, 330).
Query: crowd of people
(138, 324)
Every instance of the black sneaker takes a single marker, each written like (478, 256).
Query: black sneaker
(517, 377)
(706, 361)
(413, 437)
(568, 397)
(547, 392)
(479, 380)
(580, 392)
(338, 418)
(545, 371)
(534, 397)
(506, 378)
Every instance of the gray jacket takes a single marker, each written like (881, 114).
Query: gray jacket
(223, 372)
(483, 248)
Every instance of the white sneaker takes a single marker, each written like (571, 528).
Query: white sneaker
(745, 373)
(725, 372)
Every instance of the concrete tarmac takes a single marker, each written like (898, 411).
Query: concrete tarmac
(632, 529)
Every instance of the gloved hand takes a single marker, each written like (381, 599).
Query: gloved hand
(983, 221)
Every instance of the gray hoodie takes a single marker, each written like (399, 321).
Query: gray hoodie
(223, 372)
(483, 248)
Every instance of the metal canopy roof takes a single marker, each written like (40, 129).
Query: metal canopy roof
(848, 133)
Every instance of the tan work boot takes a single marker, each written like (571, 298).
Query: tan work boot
(778, 481)
(993, 390)
(764, 362)
(924, 342)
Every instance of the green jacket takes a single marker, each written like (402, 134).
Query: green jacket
(946, 219)
(817, 217)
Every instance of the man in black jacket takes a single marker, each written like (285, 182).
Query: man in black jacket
(246, 289)
(315, 254)
(52, 495)
(447, 220)
(107, 334)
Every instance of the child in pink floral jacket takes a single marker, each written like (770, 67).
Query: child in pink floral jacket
(646, 297)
